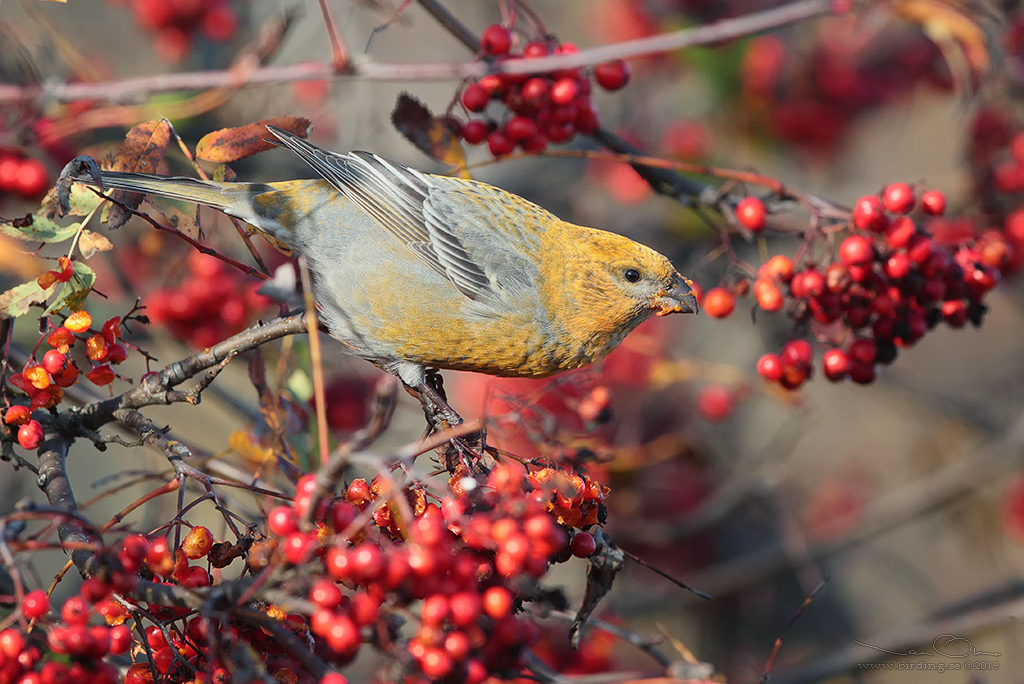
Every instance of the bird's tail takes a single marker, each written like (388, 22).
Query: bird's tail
(234, 199)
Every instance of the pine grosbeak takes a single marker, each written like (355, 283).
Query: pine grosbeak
(415, 271)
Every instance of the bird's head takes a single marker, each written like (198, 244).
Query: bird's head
(628, 274)
(611, 284)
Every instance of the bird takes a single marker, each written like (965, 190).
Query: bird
(417, 272)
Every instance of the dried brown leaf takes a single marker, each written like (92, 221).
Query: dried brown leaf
(232, 144)
(90, 243)
(414, 120)
(142, 150)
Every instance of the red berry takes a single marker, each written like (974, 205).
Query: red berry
(716, 402)
(836, 364)
(499, 143)
(809, 283)
(219, 23)
(750, 213)
(862, 373)
(30, 435)
(564, 91)
(496, 40)
(797, 352)
(898, 198)
(770, 368)
(326, 594)
(612, 75)
(536, 49)
(769, 296)
(101, 375)
(298, 547)
(863, 350)
(282, 521)
(35, 604)
(520, 128)
(719, 302)
(54, 361)
(17, 415)
(333, 678)
(934, 202)
(898, 266)
(474, 97)
(899, 234)
(9, 168)
(536, 91)
(32, 178)
(497, 602)
(436, 664)
(475, 131)
(582, 545)
(465, 607)
(856, 250)
(868, 214)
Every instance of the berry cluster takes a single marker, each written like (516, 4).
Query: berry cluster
(44, 383)
(459, 570)
(80, 647)
(22, 176)
(215, 302)
(810, 97)
(893, 280)
(459, 567)
(536, 109)
(176, 23)
(996, 154)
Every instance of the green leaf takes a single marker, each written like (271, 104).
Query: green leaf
(82, 201)
(38, 228)
(75, 290)
(16, 301)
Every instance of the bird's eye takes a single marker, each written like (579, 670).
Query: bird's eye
(632, 275)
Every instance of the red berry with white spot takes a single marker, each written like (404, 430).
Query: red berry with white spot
(933, 202)
(868, 214)
(750, 213)
(898, 198)
(856, 250)
(836, 364)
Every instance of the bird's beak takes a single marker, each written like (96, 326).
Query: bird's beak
(678, 297)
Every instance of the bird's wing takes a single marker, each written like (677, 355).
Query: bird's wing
(398, 198)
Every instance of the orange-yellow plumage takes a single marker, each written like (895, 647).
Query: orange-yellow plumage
(414, 271)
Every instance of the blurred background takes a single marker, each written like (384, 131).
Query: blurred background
(906, 494)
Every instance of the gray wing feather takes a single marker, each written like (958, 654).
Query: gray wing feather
(399, 199)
